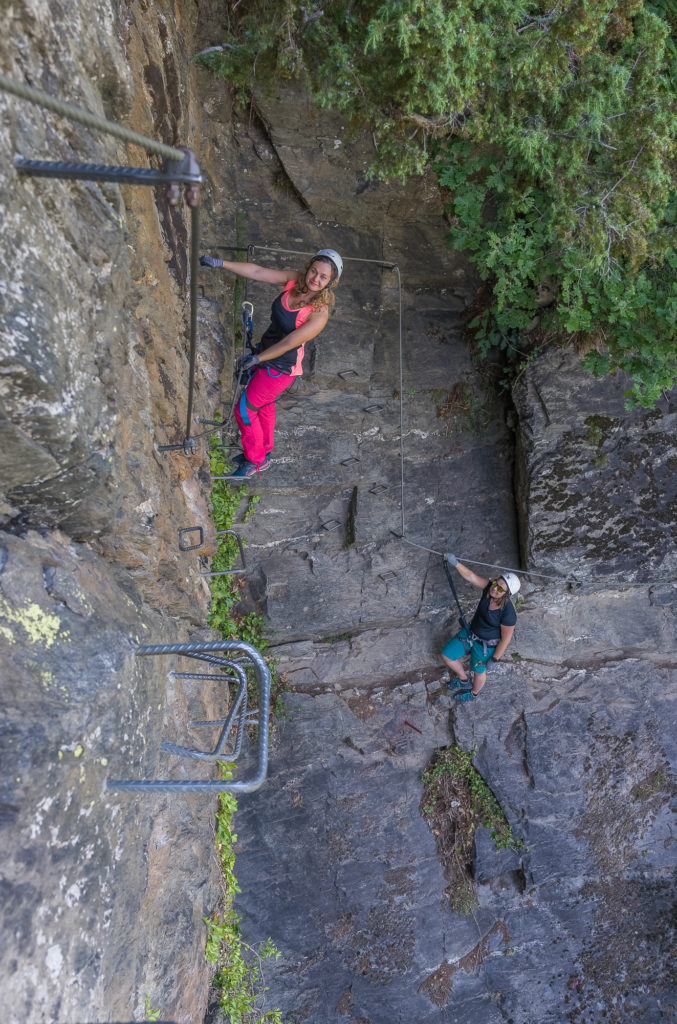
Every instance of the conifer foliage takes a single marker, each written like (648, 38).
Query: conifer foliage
(551, 124)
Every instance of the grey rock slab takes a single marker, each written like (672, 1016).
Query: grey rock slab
(362, 910)
(575, 625)
(599, 482)
(370, 656)
(578, 763)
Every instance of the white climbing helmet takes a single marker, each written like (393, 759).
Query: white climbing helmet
(512, 581)
(333, 257)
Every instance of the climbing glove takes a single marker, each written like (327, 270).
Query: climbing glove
(247, 362)
(210, 261)
(451, 559)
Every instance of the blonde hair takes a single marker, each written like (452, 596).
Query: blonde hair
(326, 296)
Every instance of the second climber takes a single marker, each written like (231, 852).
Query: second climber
(299, 313)
(488, 635)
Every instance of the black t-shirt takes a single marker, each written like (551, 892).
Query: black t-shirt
(486, 623)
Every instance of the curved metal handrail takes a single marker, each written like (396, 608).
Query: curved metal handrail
(209, 651)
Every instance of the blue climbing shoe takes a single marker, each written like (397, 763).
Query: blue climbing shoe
(243, 471)
(237, 461)
(465, 696)
(456, 684)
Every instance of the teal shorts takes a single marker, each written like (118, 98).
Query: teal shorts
(455, 649)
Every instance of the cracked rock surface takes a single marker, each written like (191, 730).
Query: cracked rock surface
(104, 894)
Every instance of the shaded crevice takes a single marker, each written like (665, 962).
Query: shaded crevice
(258, 120)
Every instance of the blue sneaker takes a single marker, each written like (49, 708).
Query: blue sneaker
(456, 684)
(465, 696)
(244, 471)
(237, 461)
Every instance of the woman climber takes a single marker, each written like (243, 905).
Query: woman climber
(488, 636)
(298, 314)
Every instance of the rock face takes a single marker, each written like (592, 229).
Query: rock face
(94, 345)
(337, 863)
(599, 482)
(103, 894)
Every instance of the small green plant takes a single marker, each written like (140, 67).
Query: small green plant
(239, 967)
(455, 801)
(254, 499)
(652, 784)
(149, 1012)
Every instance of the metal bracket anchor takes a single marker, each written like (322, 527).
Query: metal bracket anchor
(191, 529)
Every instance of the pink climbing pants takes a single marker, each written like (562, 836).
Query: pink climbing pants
(255, 412)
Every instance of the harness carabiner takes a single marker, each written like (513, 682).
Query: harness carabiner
(248, 323)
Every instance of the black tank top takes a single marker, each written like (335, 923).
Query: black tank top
(282, 322)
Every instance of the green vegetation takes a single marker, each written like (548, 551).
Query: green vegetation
(238, 978)
(456, 800)
(226, 590)
(149, 1013)
(551, 125)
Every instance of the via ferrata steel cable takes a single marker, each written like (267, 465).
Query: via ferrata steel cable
(86, 117)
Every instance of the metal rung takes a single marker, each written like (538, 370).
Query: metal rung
(187, 446)
(350, 461)
(252, 717)
(195, 675)
(210, 423)
(332, 524)
(191, 529)
(378, 489)
(348, 374)
(388, 575)
(373, 408)
(185, 170)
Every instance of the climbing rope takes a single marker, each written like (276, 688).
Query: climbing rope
(74, 113)
(346, 259)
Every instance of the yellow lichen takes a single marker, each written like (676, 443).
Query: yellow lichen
(40, 626)
(79, 750)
